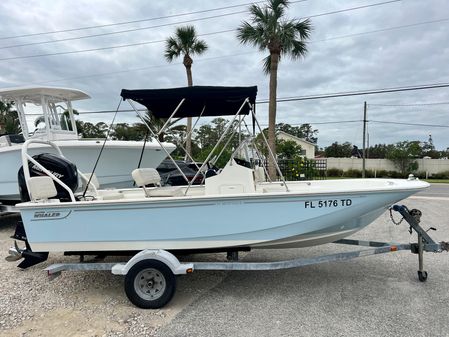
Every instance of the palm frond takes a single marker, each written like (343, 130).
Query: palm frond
(198, 47)
(267, 65)
(278, 7)
(254, 35)
(185, 42)
(303, 28)
(186, 35)
(172, 49)
(259, 15)
(269, 29)
(299, 49)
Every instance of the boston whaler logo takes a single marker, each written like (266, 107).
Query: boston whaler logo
(50, 215)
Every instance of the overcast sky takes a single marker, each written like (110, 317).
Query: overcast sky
(339, 59)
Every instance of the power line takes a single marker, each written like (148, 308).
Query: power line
(412, 124)
(103, 48)
(331, 122)
(359, 93)
(182, 22)
(350, 9)
(382, 30)
(134, 21)
(204, 34)
(323, 96)
(141, 68)
(122, 31)
(315, 123)
(405, 105)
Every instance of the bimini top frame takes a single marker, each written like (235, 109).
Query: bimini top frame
(198, 101)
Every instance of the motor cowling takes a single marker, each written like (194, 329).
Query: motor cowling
(60, 167)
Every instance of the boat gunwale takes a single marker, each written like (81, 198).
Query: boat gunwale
(244, 197)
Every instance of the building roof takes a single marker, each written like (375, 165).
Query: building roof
(296, 138)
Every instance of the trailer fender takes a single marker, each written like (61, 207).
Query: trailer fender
(163, 256)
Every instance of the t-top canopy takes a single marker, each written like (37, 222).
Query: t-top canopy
(216, 101)
(33, 94)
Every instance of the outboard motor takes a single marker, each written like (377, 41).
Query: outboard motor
(64, 171)
(60, 167)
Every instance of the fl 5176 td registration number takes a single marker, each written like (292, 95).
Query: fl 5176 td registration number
(328, 203)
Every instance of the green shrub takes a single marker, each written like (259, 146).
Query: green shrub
(352, 173)
(369, 173)
(420, 174)
(334, 172)
(439, 175)
(382, 174)
(397, 175)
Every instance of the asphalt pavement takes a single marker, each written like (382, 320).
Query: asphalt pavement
(436, 190)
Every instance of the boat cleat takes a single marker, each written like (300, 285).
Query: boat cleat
(15, 253)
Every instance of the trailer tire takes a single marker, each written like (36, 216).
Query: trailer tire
(150, 284)
(422, 276)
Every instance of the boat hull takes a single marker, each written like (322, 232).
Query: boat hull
(257, 221)
(119, 158)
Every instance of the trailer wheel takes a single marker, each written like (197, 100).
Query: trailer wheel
(150, 284)
(422, 276)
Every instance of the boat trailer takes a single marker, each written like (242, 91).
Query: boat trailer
(150, 275)
(6, 209)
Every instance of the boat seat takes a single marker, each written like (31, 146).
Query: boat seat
(42, 188)
(150, 176)
(146, 176)
(93, 179)
(102, 194)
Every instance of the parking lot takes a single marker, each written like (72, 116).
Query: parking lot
(370, 296)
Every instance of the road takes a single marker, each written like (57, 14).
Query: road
(436, 190)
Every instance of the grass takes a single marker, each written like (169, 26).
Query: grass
(437, 181)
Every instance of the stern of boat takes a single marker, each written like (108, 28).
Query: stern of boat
(28, 257)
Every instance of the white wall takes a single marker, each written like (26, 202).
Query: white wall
(309, 148)
(424, 165)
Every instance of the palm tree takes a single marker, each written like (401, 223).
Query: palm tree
(185, 42)
(271, 30)
(9, 119)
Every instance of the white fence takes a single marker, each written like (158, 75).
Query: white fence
(430, 166)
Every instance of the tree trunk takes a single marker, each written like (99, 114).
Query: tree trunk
(188, 64)
(272, 114)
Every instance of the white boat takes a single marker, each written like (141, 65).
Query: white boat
(51, 109)
(234, 210)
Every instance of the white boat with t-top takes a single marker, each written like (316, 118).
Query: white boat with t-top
(50, 109)
(234, 209)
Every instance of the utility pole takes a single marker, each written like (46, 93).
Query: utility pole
(364, 140)
(367, 142)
